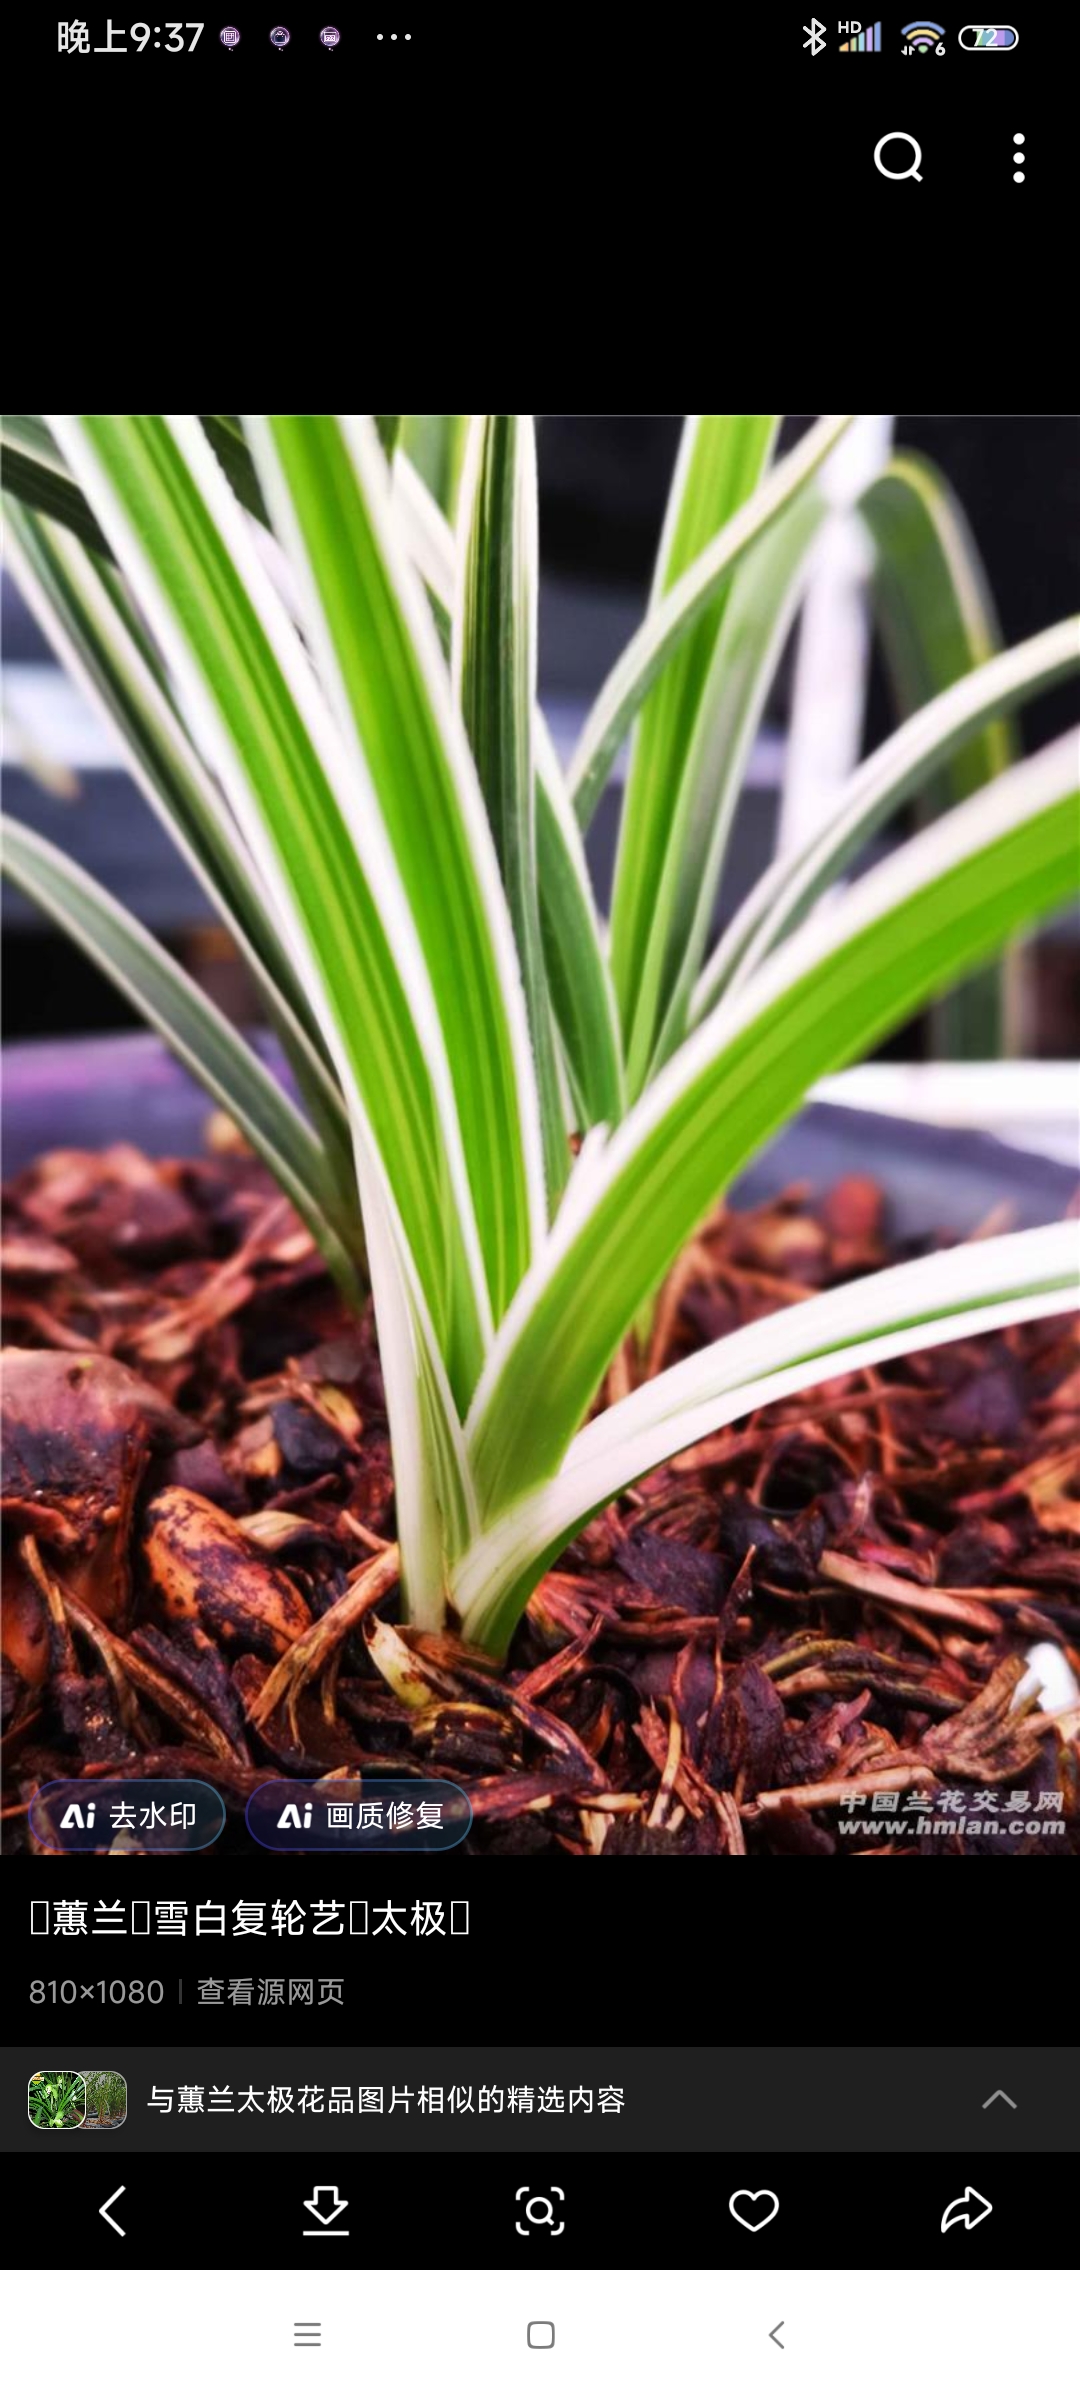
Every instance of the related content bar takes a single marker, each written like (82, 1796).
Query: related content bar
(216, 2092)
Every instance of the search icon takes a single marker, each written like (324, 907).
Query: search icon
(539, 2213)
(899, 174)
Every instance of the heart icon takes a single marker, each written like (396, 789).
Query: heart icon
(754, 2209)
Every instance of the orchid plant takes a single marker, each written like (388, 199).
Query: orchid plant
(510, 1117)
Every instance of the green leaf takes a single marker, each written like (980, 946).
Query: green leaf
(433, 1496)
(388, 429)
(494, 660)
(721, 462)
(195, 1031)
(936, 616)
(327, 486)
(672, 619)
(764, 597)
(951, 1296)
(226, 438)
(436, 446)
(904, 932)
(429, 540)
(35, 473)
(902, 765)
(937, 621)
(579, 982)
(323, 860)
(72, 593)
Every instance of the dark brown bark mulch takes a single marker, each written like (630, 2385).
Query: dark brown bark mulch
(834, 1598)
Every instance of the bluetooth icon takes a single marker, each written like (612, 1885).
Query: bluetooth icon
(815, 33)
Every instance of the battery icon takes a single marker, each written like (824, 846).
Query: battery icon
(988, 37)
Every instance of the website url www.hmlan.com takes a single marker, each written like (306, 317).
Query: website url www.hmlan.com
(923, 1826)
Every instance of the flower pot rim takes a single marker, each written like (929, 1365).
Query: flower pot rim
(87, 1091)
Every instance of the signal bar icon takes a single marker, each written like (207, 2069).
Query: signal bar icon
(868, 37)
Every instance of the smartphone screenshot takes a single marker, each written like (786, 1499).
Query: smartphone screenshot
(540, 1249)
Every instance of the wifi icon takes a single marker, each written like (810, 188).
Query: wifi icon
(924, 35)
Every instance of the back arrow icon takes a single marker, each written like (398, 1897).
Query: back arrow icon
(104, 2212)
(960, 2212)
(773, 2335)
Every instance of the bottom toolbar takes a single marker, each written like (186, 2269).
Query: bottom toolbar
(130, 2209)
